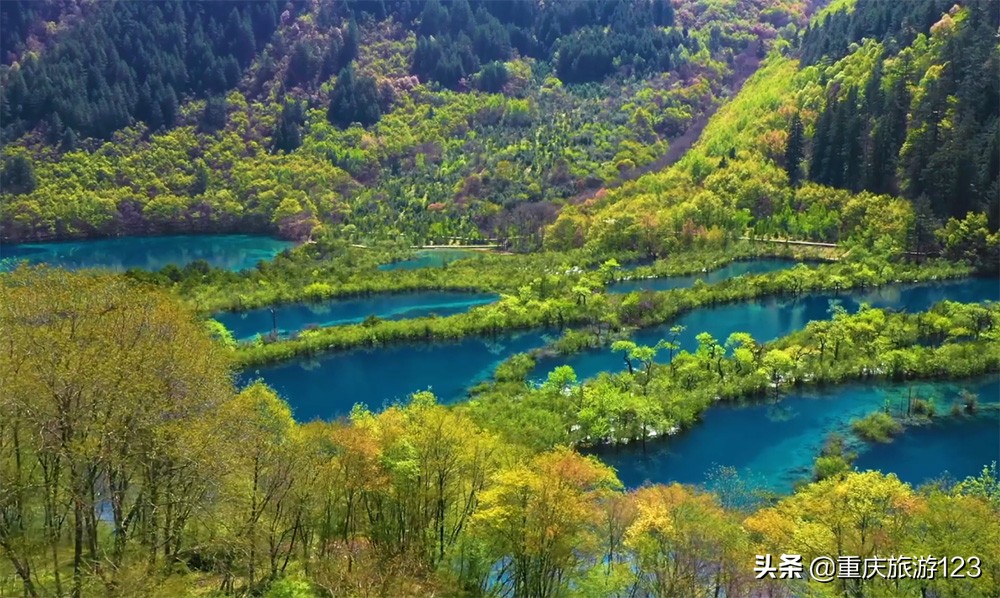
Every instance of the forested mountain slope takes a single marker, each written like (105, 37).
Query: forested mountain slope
(368, 120)
(920, 116)
(885, 129)
(143, 452)
(131, 61)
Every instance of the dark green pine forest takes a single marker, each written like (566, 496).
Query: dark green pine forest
(942, 143)
(579, 145)
(431, 121)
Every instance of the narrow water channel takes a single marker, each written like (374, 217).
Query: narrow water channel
(730, 270)
(329, 386)
(294, 317)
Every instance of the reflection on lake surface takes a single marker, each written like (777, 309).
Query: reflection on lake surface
(776, 443)
(229, 252)
(293, 317)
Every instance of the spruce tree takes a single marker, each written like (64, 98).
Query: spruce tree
(18, 175)
(795, 150)
(820, 145)
(288, 134)
(853, 150)
(354, 99)
(213, 117)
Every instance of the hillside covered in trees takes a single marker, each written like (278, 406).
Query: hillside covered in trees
(828, 152)
(369, 120)
(879, 127)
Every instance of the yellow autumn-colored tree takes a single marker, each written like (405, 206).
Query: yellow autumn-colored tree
(686, 544)
(541, 520)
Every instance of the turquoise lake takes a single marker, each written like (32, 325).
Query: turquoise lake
(430, 258)
(293, 317)
(328, 386)
(230, 252)
(774, 444)
(730, 270)
(769, 318)
(786, 436)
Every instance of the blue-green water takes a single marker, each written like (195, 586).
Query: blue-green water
(958, 447)
(430, 258)
(773, 317)
(329, 386)
(230, 252)
(777, 443)
(730, 270)
(294, 317)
